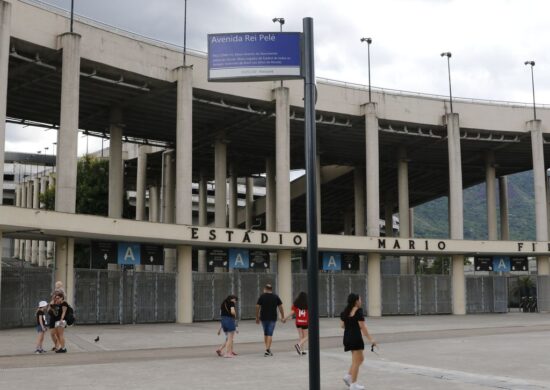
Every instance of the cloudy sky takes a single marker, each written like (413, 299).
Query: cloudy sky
(489, 41)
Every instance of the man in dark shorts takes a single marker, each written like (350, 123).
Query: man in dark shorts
(266, 311)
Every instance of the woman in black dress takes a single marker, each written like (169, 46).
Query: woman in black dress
(353, 322)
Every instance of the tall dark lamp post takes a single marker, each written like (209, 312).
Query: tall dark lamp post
(369, 41)
(281, 21)
(185, 34)
(72, 15)
(532, 63)
(448, 55)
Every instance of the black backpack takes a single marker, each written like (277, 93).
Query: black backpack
(69, 315)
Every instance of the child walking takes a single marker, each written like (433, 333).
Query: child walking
(41, 326)
(353, 322)
(299, 310)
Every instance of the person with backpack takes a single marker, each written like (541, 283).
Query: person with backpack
(58, 313)
(353, 322)
(300, 312)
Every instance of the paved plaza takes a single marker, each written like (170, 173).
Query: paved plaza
(506, 351)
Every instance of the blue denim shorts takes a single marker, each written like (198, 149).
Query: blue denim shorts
(228, 324)
(269, 327)
(39, 329)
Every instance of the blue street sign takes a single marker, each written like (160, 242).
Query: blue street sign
(254, 56)
(239, 259)
(501, 264)
(332, 261)
(129, 253)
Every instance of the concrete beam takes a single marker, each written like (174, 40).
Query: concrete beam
(46, 224)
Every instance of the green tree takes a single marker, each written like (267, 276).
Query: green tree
(92, 197)
(92, 187)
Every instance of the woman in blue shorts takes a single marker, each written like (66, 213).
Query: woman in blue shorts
(228, 325)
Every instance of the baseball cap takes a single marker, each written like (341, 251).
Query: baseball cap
(42, 304)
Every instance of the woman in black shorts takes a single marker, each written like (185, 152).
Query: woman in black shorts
(353, 322)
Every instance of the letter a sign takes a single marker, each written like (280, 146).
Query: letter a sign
(129, 253)
(332, 261)
(239, 258)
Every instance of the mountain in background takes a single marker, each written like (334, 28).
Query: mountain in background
(431, 219)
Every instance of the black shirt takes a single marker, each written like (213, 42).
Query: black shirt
(268, 306)
(226, 309)
(353, 338)
(40, 313)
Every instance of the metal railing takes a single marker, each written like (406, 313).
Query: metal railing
(22, 289)
(124, 297)
(486, 294)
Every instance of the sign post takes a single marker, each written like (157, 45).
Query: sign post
(280, 56)
(308, 72)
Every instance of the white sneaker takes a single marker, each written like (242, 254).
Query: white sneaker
(347, 380)
(356, 386)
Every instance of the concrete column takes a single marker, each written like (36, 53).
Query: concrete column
(36, 193)
(168, 187)
(374, 305)
(318, 181)
(170, 258)
(405, 262)
(67, 148)
(17, 204)
(154, 204)
(64, 264)
(504, 213)
(116, 165)
(50, 253)
(50, 245)
(270, 206)
(203, 219)
(184, 147)
(411, 222)
(220, 168)
(456, 208)
(456, 213)
(5, 32)
(141, 181)
(42, 243)
(539, 178)
(270, 200)
(282, 190)
(348, 222)
(388, 216)
(249, 202)
(490, 185)
(284, 275)
(458, 285)
(184, 191)
(35, 205)
(28, 204)
(233, 197)
(184, 285)
(359, 205)
(67, 136)
(168, 205)
(23, 203)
